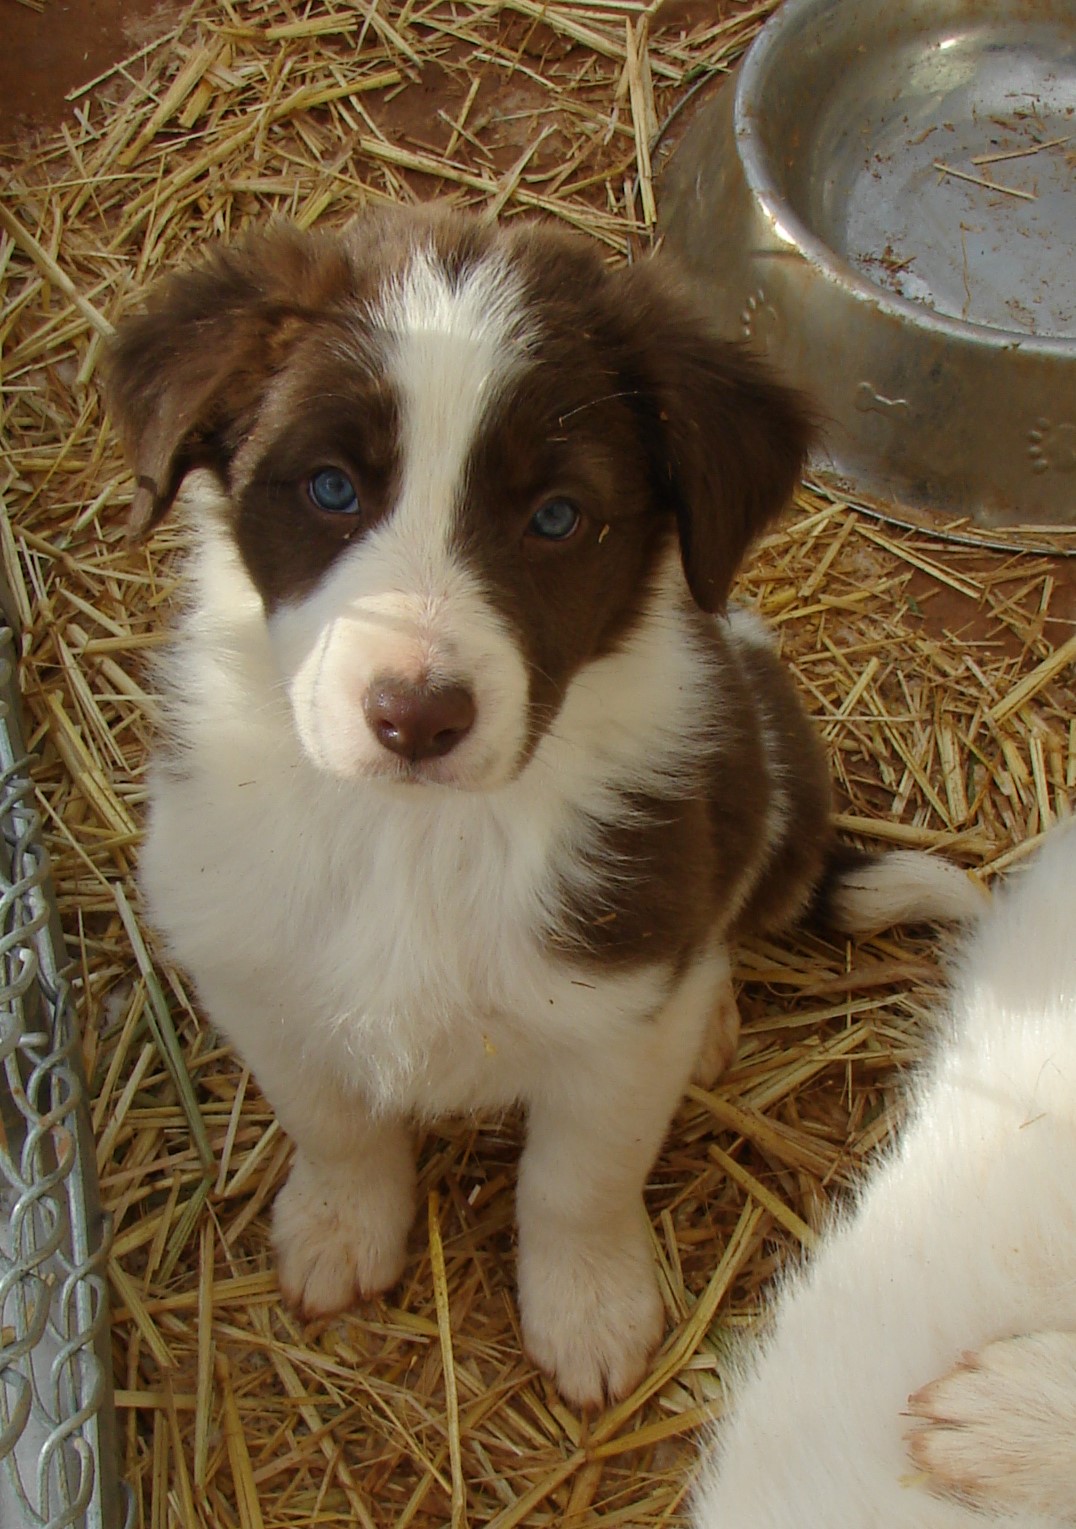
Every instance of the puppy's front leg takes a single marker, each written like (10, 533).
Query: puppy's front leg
(340, 1223)
(588, 1292)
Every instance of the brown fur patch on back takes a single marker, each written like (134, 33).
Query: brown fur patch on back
(688, 864)
(785, 887)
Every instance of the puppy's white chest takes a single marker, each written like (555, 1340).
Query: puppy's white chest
(397, 944)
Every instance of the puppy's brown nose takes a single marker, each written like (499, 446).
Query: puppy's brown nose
(418, 721)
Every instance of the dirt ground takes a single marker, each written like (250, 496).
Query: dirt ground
(49, 52)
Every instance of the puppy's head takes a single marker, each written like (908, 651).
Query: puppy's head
(453, 459)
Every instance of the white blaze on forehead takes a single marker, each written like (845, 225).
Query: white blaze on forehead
(452, 342)
(400, 603)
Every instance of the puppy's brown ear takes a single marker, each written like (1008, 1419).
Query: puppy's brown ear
(183, 375)
(731, 440)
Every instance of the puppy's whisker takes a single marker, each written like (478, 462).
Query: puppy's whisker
(593, 403)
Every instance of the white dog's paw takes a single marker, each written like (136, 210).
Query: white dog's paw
(591, 1310)
(1000, 1428)
(336, 1244)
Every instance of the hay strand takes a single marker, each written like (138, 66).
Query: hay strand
(444, 1332)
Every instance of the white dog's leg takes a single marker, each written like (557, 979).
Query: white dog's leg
(966, 1230)
(340, 1223)
(589, 1298)
(1000, 1428)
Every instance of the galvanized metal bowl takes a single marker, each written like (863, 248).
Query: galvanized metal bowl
(883, 201)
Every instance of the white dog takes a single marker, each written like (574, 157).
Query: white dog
(959, 1261)
(469, 777)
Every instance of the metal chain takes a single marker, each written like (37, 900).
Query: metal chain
(57, 1427)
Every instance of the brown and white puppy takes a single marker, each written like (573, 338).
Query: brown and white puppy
(470, 775)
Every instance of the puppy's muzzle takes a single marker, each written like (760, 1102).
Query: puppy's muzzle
(418, 721)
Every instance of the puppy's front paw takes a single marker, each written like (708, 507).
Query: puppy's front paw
(591, 1310)
(334, 1244)
(1000, 1428)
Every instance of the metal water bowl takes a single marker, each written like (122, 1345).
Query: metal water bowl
(883, 201)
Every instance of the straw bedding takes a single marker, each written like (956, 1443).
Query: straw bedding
(941, 675)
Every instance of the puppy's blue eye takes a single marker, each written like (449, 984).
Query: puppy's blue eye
(333, 491)
(555, 521)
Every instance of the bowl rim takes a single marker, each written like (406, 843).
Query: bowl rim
(762, 182)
